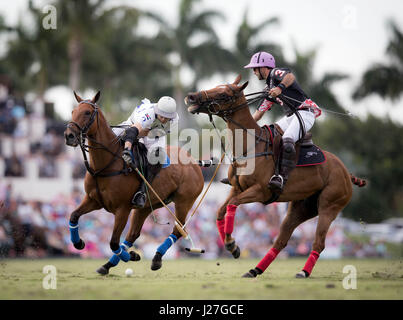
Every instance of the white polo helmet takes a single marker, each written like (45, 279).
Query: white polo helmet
(166, 107)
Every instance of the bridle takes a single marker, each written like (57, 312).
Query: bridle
(213, 106)
(83, 131)
(85, 149)
(208, 103)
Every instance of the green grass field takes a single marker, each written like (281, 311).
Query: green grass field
(197, 279)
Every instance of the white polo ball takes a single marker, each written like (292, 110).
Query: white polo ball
(129, 272)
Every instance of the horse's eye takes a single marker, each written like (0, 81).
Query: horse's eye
(87, 113)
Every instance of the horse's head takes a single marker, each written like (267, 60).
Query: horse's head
(217, 101)
(82, 121)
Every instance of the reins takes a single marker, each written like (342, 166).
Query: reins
(85, 149)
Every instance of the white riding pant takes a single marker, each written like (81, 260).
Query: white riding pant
(291, 126)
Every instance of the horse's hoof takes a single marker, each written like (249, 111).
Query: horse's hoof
(134, 256)
(156, 263)
(103, 271)
(234, 249)
(236, 253)
(302, 274)
(250, 274)
(253, 273)
(79, 245)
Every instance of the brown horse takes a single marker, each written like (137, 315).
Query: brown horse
(109, 184)
(322, 190)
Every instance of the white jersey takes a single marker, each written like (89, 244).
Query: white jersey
(145, 115)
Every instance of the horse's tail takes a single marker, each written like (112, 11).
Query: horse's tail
(358, 181)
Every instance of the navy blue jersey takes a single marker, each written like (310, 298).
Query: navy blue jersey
(294, 90)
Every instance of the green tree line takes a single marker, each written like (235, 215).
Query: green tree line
(104, 48)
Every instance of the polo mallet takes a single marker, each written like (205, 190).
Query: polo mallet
(178, 224)
(193, 249)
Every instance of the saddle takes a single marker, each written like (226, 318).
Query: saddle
(308, 154)
(148, 170)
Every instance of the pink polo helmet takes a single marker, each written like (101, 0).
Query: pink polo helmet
(261, 59)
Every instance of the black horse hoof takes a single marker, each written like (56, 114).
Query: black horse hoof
(156, 263)
(250, 274)
(234, 249)
(79, 245)
(103, 271)
(302, 274)
(236, 253)
(134, 256)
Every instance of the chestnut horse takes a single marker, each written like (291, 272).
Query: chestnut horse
(109, 184)
(323, 190)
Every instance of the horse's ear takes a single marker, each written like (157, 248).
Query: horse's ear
(78, 98)
(237, 80)
(95, 99)
(244, 86)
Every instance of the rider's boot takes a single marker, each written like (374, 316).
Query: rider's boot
(140, 197)
(277, 182)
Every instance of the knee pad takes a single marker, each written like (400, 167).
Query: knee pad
(288, 146)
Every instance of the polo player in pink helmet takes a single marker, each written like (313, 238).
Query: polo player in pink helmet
(281, 81)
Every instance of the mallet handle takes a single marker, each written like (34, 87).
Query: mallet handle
(178, 223)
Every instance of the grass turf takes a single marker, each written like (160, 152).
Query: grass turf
(198, 279)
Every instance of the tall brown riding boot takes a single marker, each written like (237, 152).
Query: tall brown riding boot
(140, 198)
(288, 160)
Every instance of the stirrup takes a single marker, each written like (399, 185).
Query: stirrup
(139, 200)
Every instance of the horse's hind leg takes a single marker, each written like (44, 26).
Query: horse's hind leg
(329, 207)
(298, 212)
(87, 205)
(182, 207)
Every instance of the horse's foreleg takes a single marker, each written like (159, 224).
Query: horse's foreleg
(182, 207)
(87, 205)
(252, 194)
(221, 215)
(136, 223)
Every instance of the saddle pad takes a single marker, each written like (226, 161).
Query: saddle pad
(310, 156)
(166, 163)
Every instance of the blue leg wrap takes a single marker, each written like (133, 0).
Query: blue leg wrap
(74, 236)
(114, 260)
(125, 256)
(122, 254)
(167, 244)
(126, 245)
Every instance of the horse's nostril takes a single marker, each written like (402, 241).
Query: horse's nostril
(191, 98)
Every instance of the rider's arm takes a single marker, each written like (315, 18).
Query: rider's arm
(258, 115)
(142, 131)
(288, 80)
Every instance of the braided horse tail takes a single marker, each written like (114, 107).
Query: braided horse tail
(358, 181)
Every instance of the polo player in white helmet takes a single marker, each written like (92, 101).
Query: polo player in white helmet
(149, 123)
